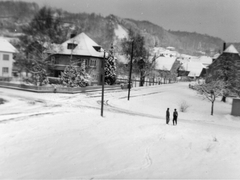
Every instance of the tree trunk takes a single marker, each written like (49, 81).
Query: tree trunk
(212, 108)
(142, 79)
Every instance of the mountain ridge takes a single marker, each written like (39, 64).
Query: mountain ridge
(15, 14)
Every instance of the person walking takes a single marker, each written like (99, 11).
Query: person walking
(167, 116)
(175, 116)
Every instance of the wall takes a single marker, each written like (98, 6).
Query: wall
(6, 63)
(236, 107)
(93, 65)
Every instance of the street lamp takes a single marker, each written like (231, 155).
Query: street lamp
(103, 81)
(130, 72)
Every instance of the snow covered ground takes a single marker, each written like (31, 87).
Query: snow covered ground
(63, 136)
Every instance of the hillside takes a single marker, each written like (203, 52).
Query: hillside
(15, 14)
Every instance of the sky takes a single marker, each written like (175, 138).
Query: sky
(218, 18)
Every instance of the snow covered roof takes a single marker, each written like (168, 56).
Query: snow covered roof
(85, 46)
(216, 56)
(195, 68)
(170, 48)
(6, 46)
(231, 49)
(185, 56)
(206, 60)
(165, 63)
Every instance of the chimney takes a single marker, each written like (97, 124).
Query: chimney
(72, 36)
(224, 46)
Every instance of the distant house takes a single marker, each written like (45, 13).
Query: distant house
(7, 51)
(167, 66)
(77, 50)
(164, 63)
(196, 69)
(206, 60)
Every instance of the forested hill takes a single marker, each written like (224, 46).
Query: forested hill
(14, 14)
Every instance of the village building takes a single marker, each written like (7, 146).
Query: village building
(167, 67)
(229, 54)
(7, 51)
(79, 51)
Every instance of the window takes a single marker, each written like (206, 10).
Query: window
(53, 61)
(97, 48)
(5, 70)
(6, 57)
(86, 62)
(71, 46)
(93, 63)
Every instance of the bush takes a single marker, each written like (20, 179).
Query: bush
(184, 106)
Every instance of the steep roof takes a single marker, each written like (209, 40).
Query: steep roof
(231, 49)
(195, 68)
(6, 46)
(165, 63)
(85, 46)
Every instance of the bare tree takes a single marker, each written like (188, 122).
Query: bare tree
(211, 91)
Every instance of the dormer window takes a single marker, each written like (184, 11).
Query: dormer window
(71, 45)
(97, 48)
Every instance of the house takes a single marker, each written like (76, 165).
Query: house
(167, 66)
(7, 51)
(164, 63)
(229, 56)
(206, 60)
(79, 50)
(194, 67)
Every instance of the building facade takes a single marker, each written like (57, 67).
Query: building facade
(6, 58)
(81, 52)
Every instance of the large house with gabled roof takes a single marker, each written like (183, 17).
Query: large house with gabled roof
(77, 50)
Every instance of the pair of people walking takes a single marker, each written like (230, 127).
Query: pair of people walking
(175, 116)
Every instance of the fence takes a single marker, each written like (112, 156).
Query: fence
(147, 82)
(57, 89)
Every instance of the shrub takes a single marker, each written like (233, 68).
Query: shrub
(184, 106)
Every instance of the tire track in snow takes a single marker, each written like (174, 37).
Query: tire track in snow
(21, 118)
(111, 108)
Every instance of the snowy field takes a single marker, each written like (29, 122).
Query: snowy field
(63, 136)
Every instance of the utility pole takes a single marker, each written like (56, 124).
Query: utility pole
(130, 73)
(103, 81)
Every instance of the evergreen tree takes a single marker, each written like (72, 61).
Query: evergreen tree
(110, 69)
(73, 77)
(39, 36)
(226, 69)
(39, 75)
